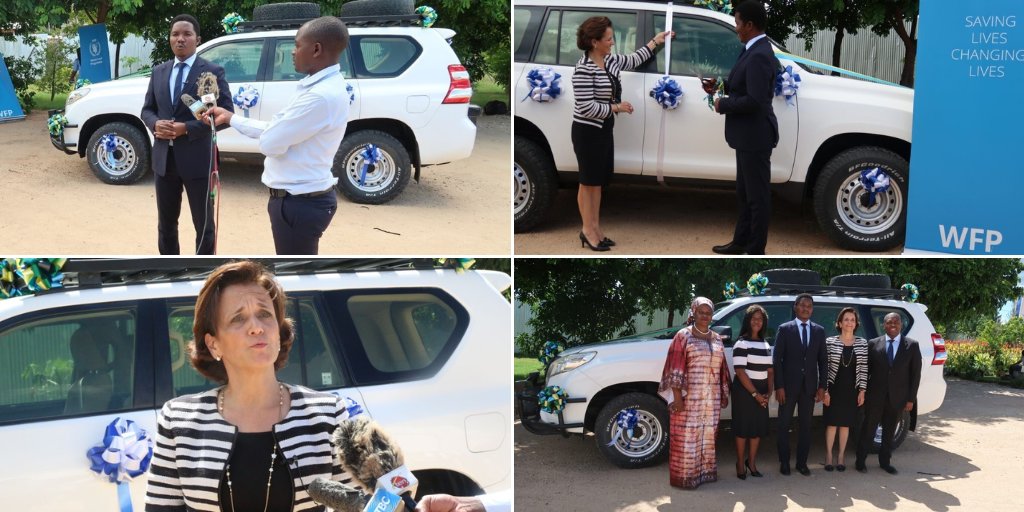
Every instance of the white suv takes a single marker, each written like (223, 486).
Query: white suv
(411, 99)
(837, 128)
(604, 378)
(403, 343)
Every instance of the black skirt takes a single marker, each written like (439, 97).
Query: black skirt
(749, 419)
(595, 151)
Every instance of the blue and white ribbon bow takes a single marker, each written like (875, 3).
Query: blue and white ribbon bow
(667, 93)
(371, 155)
(351, 93)
(544, 85)
(246, 97)
(787, 82)
(352, 408)
(109, 145)
(625, 422)
(125, 453)
(875, 181)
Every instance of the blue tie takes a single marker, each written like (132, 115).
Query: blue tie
(180, 79)
(891, 352)
(803, 334)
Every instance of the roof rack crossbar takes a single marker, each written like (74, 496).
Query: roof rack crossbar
(393, 20)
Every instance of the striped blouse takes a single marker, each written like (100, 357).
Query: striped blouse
(194, 442)
(755, 357)
(834, 350)
(593, 88)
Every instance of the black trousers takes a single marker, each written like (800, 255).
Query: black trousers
(299, 222)
(753, 199)
(168, 208)
(874, 415)
(805, 401)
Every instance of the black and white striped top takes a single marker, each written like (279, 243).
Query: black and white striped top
(593, 89)
(834, 351)
(194, 442)
(755, 357)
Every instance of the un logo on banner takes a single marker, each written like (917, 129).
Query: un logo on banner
(94, 48)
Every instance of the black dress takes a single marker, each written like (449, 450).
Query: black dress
(250, 467)
(843, 393)
(749, 419)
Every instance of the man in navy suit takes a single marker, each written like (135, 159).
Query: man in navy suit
(751, 129)
(894, 374)
(181, 152)
(801, 372)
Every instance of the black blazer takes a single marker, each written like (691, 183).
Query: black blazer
(795, 365)
(750, 123)
(192, 151)
(897, 385)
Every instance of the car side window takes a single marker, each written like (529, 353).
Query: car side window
(240, 59)
(282, 69)
(878, 319)
(385, 56)
(701, 47)
(777, 314)
(185, 379)
(397, 335)
(316, 352)
(525, 22)
(76, 364)
(558, 42)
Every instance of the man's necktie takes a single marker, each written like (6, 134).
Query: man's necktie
(179, 80)
(892, 353)
(803, 334)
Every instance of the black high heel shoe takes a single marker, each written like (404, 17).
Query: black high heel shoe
(741, 476)
(755, 474)
(600, 247)
(608, 242)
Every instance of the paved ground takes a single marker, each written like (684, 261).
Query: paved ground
(965, 456)
(54, 205)
(654, 219)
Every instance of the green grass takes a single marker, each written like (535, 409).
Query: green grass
(43, 101)
(487, 90)
(526, 365)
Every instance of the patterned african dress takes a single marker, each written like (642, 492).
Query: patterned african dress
(695, 364)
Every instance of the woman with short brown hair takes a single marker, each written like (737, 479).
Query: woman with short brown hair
(847, 380)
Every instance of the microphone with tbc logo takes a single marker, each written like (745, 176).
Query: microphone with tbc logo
(206, 86)
(375, 461)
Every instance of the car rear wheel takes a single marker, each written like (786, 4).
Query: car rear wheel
(534, 183)
(129, 159)
(648, 445)
(371, 183)
(898, 437)
(841, 211)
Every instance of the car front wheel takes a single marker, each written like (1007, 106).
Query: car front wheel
(842, 206)
(125, 161)
(648, 444)
(364, 180)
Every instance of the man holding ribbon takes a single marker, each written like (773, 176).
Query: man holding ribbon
(750, 128)
(894, 374)
(300, 141)
(182, 152)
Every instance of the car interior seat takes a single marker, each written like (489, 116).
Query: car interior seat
(92, 386)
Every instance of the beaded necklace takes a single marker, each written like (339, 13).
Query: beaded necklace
(273, 452)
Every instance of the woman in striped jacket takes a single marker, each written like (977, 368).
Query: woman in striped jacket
(595, 83)
(253, 444)
(847, 380)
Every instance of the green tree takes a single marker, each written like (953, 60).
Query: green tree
(886, 15)
(481, 26)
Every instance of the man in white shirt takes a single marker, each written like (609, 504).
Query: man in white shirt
(300, 141)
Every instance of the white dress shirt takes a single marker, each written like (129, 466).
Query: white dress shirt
(300, 141)
(755, 39)
(189, 62)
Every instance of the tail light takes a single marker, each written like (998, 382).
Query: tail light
(459, 89)
(940, 349)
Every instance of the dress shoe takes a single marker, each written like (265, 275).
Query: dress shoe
(840, 468)
(753, 472)
(586, 243)
(889, 469)
(829, 468)
(804, 470)
(784, 469)
(730, 248)
(862, 468)
(608, 241)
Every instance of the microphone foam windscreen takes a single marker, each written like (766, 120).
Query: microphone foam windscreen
(337, 495)
(366, 452)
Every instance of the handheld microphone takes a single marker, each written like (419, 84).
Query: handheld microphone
(337, 495)
(197, 107)
(375, 461)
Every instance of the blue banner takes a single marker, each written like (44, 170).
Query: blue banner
(95, 53)
(10, 109)
(966, 172)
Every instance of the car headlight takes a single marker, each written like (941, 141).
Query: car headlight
(570, 362)
(76, 95)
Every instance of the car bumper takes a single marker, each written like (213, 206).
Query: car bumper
(58, 140)
(529, 412)
(474, 113)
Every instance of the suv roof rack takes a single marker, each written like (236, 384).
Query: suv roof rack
(394, 20)
(828, 291)
(99, 272)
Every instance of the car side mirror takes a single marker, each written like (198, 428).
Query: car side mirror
(725, 331)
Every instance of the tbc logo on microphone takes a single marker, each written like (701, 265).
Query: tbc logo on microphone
(399, 482)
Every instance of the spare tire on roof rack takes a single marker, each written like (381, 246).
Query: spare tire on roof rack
(355, 8)
(799, 276)
(286, 11)
(862, 281)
